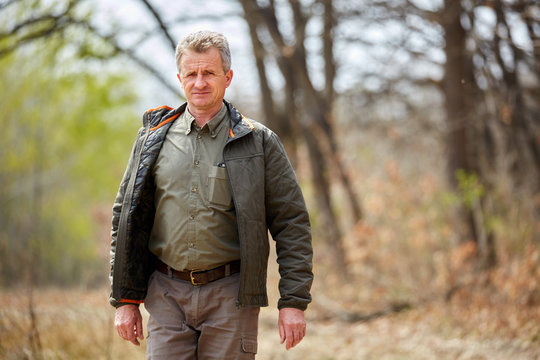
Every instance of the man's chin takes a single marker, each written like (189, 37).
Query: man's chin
(200, 102)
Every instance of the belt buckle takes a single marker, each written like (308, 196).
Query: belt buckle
(193, 281)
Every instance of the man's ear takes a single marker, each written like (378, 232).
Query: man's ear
(228, 76)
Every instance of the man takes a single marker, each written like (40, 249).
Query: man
(190, 223)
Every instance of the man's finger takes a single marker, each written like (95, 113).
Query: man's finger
(281, 333)
(297, 338)
(139, 329)
(294, 339)
(290, 339)
(133, 338)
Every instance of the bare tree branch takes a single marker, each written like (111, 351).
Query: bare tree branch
(46, 25)
(37, 27)
(162, 26)
(183, 19)
(57, 26)
(328, 49)
(5, 4)
(130, 53)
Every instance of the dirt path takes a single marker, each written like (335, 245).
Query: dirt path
(389, 338)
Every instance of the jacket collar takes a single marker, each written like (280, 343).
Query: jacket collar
(239, 124)
(156, 117)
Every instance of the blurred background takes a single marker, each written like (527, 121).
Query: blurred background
(413, 126)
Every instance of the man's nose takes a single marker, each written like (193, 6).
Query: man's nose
(200, 81)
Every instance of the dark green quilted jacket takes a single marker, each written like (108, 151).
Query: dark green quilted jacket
(266, 197)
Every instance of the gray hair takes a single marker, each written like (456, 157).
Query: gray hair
(202, 41)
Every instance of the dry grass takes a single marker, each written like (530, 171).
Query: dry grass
(70, 324)
(75, 324)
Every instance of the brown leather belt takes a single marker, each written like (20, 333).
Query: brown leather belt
(198, 277)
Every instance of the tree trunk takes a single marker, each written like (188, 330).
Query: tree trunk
(463, 152)
(330, 227)
(302, 98)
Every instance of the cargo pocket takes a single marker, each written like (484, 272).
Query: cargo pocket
(249, 346)
(219, 191)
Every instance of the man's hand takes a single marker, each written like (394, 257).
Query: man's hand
(128, 323)
(292, 326)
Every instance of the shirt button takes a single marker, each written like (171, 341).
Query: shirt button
(196, 162)
(192, 217)
(190, 245)
(194, 189)
(198, 136)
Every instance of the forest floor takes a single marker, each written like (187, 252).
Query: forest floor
(469, 327)
(411, 335)
(73, 324)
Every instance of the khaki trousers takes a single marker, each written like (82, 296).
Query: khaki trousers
(198, 322)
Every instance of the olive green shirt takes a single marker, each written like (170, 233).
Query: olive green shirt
(195, 225)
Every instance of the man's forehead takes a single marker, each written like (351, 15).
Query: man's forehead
(210, 57)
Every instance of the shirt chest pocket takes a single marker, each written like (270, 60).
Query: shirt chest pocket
(219, 191)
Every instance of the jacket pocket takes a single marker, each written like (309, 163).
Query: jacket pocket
(219, 191)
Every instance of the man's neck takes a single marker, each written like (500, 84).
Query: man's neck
(203, 116)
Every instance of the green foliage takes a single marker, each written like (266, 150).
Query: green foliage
(468, 194)
(67, 129)
(470, 188)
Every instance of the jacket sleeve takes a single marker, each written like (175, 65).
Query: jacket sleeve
(288, 221)
(116, 212)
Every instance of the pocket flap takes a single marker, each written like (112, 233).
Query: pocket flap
(249, 346)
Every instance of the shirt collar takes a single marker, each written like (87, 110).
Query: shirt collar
(213, 125)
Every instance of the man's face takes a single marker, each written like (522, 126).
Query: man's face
(204, 80)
